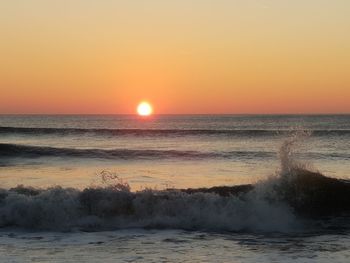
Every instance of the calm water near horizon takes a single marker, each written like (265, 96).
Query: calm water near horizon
(160, 152)
(165, 150)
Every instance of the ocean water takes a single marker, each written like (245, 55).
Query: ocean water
(92, 188)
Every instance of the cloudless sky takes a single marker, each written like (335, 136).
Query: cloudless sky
(184, 56)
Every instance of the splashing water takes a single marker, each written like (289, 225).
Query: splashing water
(270, 205)
(287, 151)
(113, 181)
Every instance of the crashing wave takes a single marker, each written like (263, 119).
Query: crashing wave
(276, 204)
(109, 208)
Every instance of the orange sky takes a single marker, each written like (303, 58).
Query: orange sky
(184, 56)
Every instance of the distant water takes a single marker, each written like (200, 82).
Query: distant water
(165, 150)
(91, 161)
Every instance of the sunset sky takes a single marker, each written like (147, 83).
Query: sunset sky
(184, 56)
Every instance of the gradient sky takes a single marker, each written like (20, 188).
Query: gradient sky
(184, 56)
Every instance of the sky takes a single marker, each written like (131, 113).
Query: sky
(183, 56)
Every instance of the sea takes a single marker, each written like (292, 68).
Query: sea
(112, 188)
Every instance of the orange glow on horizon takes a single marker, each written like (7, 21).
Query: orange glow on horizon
(191, 57)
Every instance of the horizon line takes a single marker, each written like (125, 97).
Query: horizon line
(164, 114)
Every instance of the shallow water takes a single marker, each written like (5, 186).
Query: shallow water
(137, 245)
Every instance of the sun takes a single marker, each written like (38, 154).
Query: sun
(144, 109)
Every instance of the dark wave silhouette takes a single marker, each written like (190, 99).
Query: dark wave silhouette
(308, 193)
(26, 151)
(162, 132)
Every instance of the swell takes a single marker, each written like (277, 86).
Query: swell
(163, 132)
(26, 151)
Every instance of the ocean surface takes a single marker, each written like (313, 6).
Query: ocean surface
(105, 188)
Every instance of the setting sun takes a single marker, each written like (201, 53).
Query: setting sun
(144, 109)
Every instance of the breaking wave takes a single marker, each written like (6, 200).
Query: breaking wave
(278, 203)
(107, 208)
